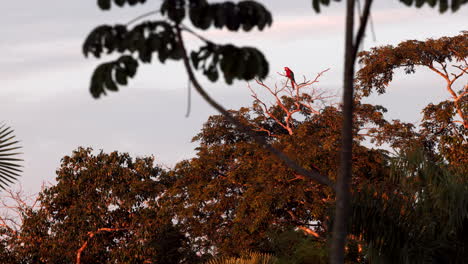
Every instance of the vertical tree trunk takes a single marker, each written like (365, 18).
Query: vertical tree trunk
(342, 185)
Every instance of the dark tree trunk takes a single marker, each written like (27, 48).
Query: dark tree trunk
(343, 196)
(344, 174)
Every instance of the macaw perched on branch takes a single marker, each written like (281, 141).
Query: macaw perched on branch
(290, 75)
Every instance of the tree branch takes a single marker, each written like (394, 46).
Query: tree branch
(90, 236)
(313, 175)
(309, 231)
(362, 28)
(142, 16)
(302, 100)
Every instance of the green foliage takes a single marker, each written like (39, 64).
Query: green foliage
(444, 5)
(147, 38)
(293, 247)
(9, 164)
(422, 217)
(248, 257)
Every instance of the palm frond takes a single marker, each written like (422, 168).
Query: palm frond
(416, 219)
(10, 167)
(249, 257)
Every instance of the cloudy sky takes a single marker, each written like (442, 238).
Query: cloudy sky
(44, 77)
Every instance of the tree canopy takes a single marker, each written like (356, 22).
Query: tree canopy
(103, 209)
(444, 123)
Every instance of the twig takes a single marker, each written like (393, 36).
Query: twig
(142, 16)
(189, 98)
(90, 236)
(196, 34)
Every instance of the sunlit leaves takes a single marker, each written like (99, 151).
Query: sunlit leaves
(9, 163)
(106, 4)
(243, 63)
(380, 63)
(248, 257)
(442, 125)
(110, 192)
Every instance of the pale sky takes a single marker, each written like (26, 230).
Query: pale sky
(44, 77)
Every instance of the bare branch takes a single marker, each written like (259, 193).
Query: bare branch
(312, 175)
(304, 228)
(15, 204)
(142, 16)
(196, 34)
(309, 231)
(449, 88)
(303, 101)
(362, 28)
(90, 236)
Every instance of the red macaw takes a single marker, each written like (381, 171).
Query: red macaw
(290, 75)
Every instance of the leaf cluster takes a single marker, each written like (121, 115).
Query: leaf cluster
(243, 63)
(236, 189)
(380, 63)
(441, 127)
(243, 15)
(151, 37)
(145, 40)
(106, 4)
(105, 203)
(444, 5)
(422, 217)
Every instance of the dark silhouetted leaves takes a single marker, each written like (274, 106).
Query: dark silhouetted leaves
(107, 74)
(106, 4)
(243, 63)
(145, 38)
(160, 37)
(105, 37)
(444, 5)
(317, 3)
(175, 10)
(233, 16)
